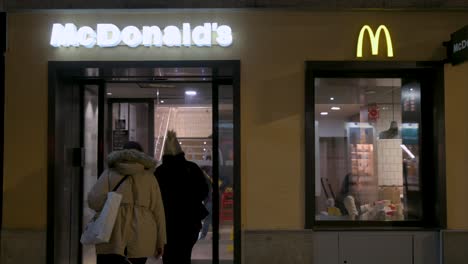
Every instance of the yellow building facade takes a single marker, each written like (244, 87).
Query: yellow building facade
(272, 47)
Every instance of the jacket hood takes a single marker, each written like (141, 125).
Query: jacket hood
(130, 161)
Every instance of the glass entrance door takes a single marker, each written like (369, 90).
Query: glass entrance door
(224, 142)
(103, 112)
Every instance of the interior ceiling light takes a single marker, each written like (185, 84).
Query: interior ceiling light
(336, 108)
(332, 98)
(162, 101)
(109, 93)
(155, 85)
(191, 93)
(324, 113)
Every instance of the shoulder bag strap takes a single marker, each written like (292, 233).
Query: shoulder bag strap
(120, 182)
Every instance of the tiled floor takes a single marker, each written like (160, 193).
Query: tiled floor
(203, 248)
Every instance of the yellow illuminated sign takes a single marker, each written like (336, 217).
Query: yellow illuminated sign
(374, 40)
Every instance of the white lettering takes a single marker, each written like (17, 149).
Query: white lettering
(224, 38)
(87, 37)
(152, 36)
(172, 37)
(186, 39)
(460, 46)
(56, 40)
(201, 35)
(132, 36)
(109, 35)
(70, 35)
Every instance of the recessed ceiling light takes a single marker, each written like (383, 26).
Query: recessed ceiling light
(156, 85)
(204, 143)
(336, 108)
(192, 93)
(109, 93)
(204, 149)
(411, 89)
(332, 98)
(162, 101)
(324, 113)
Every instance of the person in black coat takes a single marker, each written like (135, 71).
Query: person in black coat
(183, 188)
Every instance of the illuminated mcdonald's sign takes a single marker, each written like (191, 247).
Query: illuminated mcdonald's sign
(374, 40)
(109, 35)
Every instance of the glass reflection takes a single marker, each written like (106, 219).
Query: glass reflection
(367, 149)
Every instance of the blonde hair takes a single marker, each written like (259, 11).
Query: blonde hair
(171, 145)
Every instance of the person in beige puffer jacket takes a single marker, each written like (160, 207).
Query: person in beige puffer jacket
(140, 228)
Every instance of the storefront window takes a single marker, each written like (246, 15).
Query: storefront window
(367, 149)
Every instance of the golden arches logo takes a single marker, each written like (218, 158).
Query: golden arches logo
(374, 40)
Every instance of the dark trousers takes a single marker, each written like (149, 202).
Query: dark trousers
(118, 259)
(178, 249)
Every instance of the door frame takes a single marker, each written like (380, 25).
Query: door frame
(79, 67)
(101, 87)
(3, 36)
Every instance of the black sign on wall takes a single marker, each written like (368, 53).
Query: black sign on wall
(459, 46)
(119, 138)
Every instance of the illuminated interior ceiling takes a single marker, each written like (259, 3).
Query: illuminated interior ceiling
(167, 85)
(171, 87)
(351, 93)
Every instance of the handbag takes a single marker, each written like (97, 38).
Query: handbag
(99, 229)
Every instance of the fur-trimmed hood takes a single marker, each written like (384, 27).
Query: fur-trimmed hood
(130, 161)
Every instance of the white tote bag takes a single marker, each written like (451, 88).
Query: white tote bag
(99, 229)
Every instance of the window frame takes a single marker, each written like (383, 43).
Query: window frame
(432, 147)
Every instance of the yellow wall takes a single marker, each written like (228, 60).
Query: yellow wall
(272, 47)
(456, 127)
